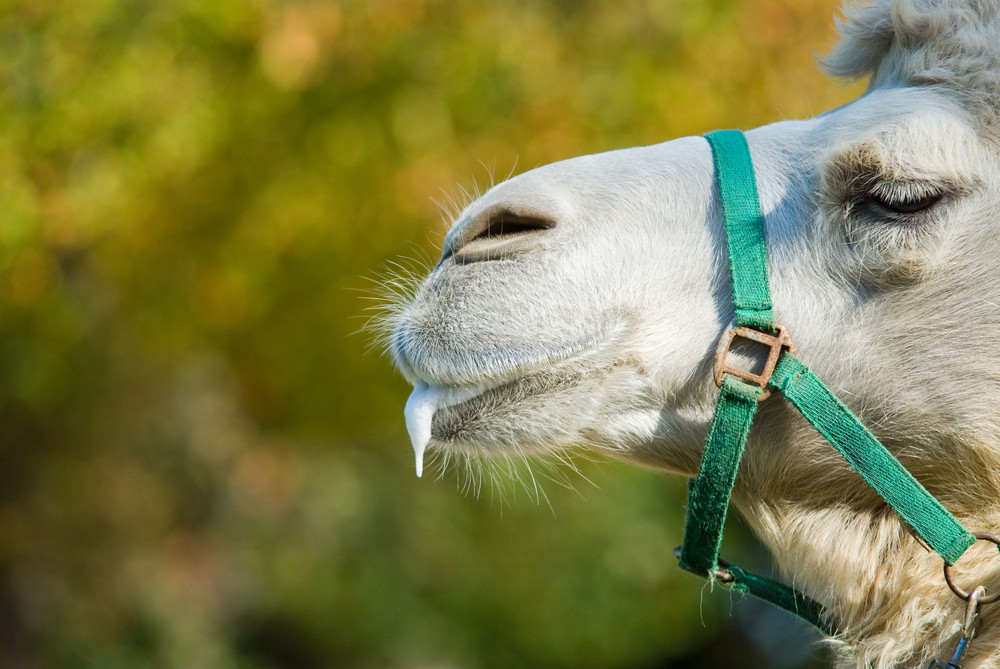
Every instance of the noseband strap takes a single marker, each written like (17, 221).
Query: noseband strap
(741, 392)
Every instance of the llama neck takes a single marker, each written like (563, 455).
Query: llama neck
(884, 589)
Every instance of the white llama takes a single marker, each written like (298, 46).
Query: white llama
(580, 304)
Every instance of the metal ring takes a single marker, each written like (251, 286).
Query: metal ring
(962, 594)
(722, 574)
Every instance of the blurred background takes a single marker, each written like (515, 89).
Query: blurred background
(203, 461)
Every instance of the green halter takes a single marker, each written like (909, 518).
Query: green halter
(741, 391)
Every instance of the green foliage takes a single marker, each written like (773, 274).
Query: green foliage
(204, 464)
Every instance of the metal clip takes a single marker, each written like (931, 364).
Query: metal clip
(969, 629)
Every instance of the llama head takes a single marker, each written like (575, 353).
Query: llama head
(579, 303)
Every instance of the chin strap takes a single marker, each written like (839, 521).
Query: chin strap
(742, 391)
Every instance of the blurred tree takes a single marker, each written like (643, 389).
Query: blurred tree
(203, 463)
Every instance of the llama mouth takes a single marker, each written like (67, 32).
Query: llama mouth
(445, 411)
(453, 416)
(441, 408)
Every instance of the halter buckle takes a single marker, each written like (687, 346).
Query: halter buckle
(776, 343)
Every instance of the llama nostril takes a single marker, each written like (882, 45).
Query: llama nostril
(498, 234)
(508, 225)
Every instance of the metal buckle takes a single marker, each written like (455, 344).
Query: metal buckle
(777, 343)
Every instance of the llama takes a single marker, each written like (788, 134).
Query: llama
(579, 304)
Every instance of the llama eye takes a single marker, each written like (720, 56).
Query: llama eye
(906, 205)
(892, 199)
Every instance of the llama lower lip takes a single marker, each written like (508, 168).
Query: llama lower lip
(423, 403)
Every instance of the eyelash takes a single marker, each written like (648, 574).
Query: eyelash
(894, 200)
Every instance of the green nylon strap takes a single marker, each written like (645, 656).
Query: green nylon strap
(708, 495)
(781, 596)
(708, 504)
(744, 226)
(866, 455)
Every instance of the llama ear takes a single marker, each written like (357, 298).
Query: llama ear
(866, 35)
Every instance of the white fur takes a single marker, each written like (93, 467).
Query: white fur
(599, 331)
